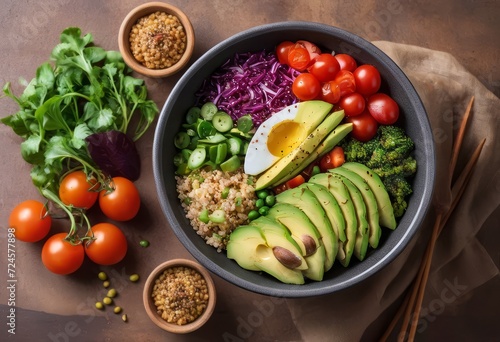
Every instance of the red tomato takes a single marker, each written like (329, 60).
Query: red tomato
(346, 62)
(306, 87)
(332, 159)
(75, 189)
(313, 49)
(30, 221)
(330, 92)
(110, 245)
(295, 182)
(353, 104)
(298, 57)
(122, 203)
(60, 256)
(383, 108)
(282, 51)
(346, 82)
(324, 67)
(364, 126)
(367, 79)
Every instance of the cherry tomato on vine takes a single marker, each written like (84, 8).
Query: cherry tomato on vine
(30, 221)
(346, 62)
(60, 256)
(306, 87)
(383, 108)
(364, 126)
(332, 159)
(324, 67)
(75, 189)
(330, 92)
(353, 104)
(367, 79)
(345, 80)
(282, 51)
(123, 202)
(109, 245)
(298, 57)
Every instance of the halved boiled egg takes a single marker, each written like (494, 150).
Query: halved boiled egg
(282, 133)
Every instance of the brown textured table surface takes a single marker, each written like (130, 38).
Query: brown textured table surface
(55, 308)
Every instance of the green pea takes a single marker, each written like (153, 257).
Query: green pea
(259, 203)
(270, 200)
(111, 293)
(264, 210)
(134, 277)
(253, 214)
(99, 305)
(315, 170)
(262, 194)
(225, 192)
(144, 243)
(102, 276)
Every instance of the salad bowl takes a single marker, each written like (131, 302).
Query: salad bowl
(413, 119)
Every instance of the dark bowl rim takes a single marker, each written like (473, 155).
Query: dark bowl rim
(297, 291)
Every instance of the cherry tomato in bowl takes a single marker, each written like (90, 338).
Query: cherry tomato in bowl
(306, 87)
(346, 62)
(282, 51)
(353, 104)
(325, 67)
(367, 79)
(30, 221)
(383, 108)
(364, 126)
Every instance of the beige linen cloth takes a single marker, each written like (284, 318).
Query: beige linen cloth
(460, 263)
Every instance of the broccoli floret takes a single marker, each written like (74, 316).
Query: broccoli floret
(389, 155)
(399, 189)
(361, 152)
(403, 167)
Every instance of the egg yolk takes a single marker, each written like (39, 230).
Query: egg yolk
(284, 137)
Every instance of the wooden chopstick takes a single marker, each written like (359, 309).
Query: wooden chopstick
(413, 301)
(457, 145)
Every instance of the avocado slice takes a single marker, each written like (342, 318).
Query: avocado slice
(362, 234)
(386, 212)
(277, 235)
(331, 140)
(289, 163)
(249, 249)
(305, 200)
(305, 234)
(331, 208)
(370, 201)
(341, 194)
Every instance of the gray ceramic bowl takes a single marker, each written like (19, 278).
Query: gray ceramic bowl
(413, 118)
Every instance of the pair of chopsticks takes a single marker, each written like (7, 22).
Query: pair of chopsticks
(412, 304)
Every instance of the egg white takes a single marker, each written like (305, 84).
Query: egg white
(258, 157)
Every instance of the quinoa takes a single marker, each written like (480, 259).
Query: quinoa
(203, 190)
(158, 40)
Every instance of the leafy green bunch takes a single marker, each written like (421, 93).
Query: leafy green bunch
(85, 90)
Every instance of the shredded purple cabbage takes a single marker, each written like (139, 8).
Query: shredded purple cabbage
(250, 83)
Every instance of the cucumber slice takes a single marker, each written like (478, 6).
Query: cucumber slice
(230, 165)
(193, 114)
(222, 121)
(234, 144)
(208, 111)
(197, 158)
